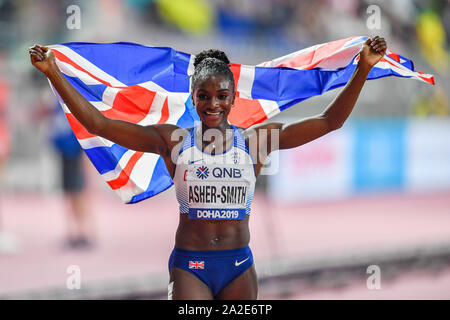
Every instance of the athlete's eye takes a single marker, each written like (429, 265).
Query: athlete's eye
(202, 96)
(223, 97)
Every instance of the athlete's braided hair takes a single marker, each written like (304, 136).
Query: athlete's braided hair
(211, 62)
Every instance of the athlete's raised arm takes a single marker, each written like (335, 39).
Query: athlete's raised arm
(154, 138)
(298, 133)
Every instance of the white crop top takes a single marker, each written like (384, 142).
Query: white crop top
(215, 186)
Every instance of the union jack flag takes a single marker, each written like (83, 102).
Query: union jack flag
(151, 85)
(196, 264)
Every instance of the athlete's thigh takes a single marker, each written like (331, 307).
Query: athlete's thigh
(186, 286)
(244, 287)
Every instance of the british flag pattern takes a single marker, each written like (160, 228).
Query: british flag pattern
(151, 85)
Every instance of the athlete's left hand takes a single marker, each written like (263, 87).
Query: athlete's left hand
(372, 51)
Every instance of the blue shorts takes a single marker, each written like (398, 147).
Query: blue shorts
(215, 268)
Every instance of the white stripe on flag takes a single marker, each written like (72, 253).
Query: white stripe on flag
(101, 106)
(400, 69)
(142, 172)
(63, 106)
(95, 142)
(109, 95)
(339, 59)
(270, 107)
(191, 68)
(128, 191)
(245, 82)
(150, 85)
(154, 113)
(177, 106)
(71, 71)
(140, 177)
(87, 65)
(114, 174)
(283, 59)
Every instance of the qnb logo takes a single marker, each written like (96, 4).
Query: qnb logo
(203, 172)
(227, 172)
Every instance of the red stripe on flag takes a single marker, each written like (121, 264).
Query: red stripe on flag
(236, 69)
(124, 176)
(78, 129)
(164, 112)
(63, 58)
(246, 112)
(131, 104)
(394, 56)
(429, 80)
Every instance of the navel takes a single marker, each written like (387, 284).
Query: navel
(215, 240)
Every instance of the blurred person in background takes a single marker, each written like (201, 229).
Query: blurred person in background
(4, 133)
(79, 220)
(8, 242)
(79, 216)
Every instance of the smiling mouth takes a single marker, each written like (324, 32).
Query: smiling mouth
(218, 113)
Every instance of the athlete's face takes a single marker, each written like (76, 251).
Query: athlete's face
(213, 99)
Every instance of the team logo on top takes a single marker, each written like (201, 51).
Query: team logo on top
(202, 172)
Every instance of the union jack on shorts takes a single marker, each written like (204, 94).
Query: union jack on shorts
(196, 264)
(151, 85)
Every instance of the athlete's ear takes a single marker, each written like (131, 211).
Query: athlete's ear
(234, 97)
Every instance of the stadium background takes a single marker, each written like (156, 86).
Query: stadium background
(374, 193)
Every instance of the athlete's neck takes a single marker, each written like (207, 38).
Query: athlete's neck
(222, 127)
(214, 140)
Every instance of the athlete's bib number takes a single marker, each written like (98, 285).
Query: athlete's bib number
(217, 192)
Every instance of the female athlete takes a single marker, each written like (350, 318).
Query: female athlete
(214, 178)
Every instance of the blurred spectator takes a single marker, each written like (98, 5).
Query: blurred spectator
(431, 36)
(80, 230)
(435, 104)
(4, 132)
(79, 220)
(8, 242)
(191, 16)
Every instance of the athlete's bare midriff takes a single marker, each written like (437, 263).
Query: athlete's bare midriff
(208, 235)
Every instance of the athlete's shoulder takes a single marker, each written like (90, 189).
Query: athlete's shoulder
(266, 125)
(166, 127)
(264, 129)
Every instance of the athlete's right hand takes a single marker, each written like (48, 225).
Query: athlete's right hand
(42, 58)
